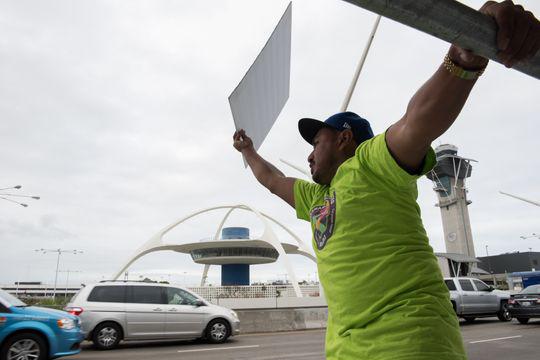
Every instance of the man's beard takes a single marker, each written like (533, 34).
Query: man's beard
(317, 179)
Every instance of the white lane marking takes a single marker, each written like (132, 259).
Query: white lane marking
(220, 348)
(290, 356)
(488, 340)
(280, 333)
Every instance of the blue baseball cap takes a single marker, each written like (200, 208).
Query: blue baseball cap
(341, 121)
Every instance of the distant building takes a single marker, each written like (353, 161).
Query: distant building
(498, 267)
(36, 289)
(510, 262)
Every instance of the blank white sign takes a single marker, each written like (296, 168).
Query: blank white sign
(261, 94)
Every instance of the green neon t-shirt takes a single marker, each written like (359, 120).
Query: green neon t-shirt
(385, 292)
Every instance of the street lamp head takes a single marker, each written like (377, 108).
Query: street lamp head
(9, 197)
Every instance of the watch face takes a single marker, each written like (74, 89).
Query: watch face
(451, 236)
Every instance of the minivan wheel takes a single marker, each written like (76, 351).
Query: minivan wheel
(217, 331)
(504, 313)
(523, 320)
(24, 346)
(106, 336)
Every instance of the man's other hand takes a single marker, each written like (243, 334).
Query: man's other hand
(518, 36)
(267, 174)
(242, 141)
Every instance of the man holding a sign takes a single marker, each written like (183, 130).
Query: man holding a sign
(385, 293)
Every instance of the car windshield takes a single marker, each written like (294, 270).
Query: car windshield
(533, 289)
(10, 299)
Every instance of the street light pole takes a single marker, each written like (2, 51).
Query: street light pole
(56, 274)
(67, 279)
(59, 252)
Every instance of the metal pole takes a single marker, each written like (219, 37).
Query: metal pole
(67, 283)
(205, 275)
(520, 198)
(450, 21)
(489, 267)
(360, 66)
(297, 168)
(56, 276)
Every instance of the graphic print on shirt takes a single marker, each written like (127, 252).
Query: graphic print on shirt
(323, 219)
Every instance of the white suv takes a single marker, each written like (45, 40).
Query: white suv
(112, 311)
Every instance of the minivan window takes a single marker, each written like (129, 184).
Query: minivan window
(450, 284)
(108, 294)
(177, 296)
(145, 295)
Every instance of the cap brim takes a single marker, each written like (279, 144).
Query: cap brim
(310, 127)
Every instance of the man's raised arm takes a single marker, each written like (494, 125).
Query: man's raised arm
(267, 174)
(436, 105)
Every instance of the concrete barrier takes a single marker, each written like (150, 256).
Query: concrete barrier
(273, 320)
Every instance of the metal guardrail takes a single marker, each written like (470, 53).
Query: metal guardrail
(254, 291)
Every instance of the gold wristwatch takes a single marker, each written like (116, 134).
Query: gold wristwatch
(460, 72)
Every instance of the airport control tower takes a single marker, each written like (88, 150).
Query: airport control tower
(449, 177)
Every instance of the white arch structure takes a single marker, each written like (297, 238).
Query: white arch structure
(156, 242)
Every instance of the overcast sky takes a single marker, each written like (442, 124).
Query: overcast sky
(116, 114)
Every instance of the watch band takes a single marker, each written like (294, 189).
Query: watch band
(460, 72)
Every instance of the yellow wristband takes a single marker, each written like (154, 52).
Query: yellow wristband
(460, 72)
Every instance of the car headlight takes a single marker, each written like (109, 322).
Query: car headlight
(65, 324)
(234, 314)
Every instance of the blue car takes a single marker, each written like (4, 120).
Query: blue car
(34, 333)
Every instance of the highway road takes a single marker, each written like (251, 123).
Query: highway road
(486, 339)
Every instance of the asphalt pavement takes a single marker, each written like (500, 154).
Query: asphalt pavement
(486, 339)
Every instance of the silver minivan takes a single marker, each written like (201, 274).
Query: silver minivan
(112, 311)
